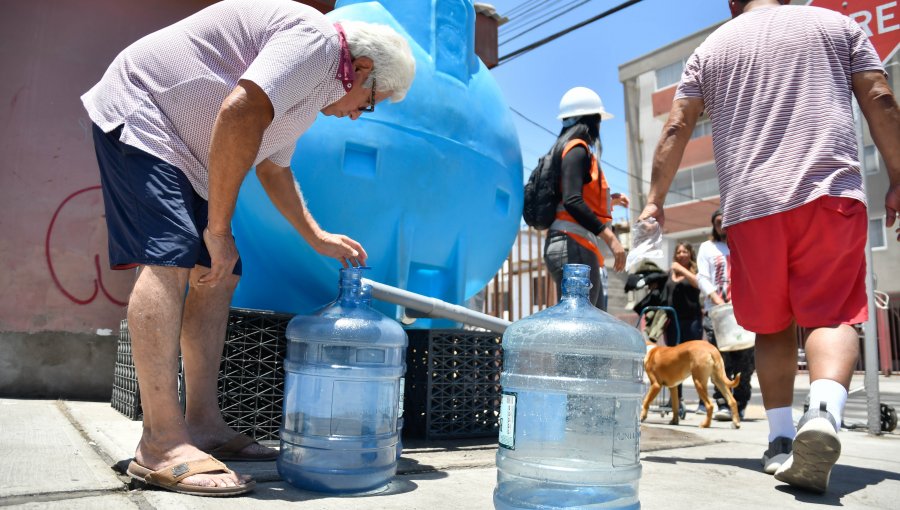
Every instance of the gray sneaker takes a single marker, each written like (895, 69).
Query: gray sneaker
(778, 452)
(815, 451)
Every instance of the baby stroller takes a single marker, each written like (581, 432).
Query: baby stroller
(653, 320)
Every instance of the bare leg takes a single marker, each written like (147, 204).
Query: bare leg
(203, 332)
(154, 322)
(776, 367)
(831, 353)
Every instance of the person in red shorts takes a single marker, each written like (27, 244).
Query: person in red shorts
(777, 83)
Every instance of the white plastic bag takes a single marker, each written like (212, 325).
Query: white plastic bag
(646, 243)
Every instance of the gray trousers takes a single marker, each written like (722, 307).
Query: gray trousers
(736, 362)
(559, 250)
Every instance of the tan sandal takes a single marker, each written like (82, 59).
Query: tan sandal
(170, 477)
(231, 450)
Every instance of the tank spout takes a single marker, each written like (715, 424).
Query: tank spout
(432, 307)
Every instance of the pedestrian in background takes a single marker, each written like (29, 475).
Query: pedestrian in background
(584, 215)
(179, 118)
(682, 294)
(777, 83)
(714, 263)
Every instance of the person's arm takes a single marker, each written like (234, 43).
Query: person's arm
(704, 276)
(609, 237)
(879, 106)
(620, 200)
(575, 171)
(237, 133)
(284, 191)
(675, 136)
(685, 273)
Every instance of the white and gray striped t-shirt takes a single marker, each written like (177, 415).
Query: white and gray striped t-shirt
(776, 84)
(167, 87)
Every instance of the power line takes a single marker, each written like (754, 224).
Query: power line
(526, 49)
(614, 167)
(524, 5)
(517, 22)
(564, 9)
(533, 12)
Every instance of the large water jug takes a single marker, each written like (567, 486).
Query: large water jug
(572, 387)
(366, 299)
(342, 395)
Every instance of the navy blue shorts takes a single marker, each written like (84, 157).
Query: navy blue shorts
(153, 215)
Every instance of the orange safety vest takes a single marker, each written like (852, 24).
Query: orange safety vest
(595, 194)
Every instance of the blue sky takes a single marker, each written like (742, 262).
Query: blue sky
(590, 56)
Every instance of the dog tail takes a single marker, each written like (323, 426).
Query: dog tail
(734, 383)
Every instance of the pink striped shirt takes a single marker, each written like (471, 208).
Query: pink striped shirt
(776, 84)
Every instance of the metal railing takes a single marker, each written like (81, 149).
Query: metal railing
(523, 285)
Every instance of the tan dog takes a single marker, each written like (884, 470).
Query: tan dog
(668, 366)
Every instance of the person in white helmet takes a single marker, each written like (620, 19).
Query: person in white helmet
(583, 216)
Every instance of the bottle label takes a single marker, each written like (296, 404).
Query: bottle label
(402, 394)
(507, 437)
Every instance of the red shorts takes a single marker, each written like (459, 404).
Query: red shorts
(807, 264)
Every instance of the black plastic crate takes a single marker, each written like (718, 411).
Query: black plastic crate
(452, 384)
(126, 397)
(251, 376)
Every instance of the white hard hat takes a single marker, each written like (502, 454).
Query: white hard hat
(580, 101)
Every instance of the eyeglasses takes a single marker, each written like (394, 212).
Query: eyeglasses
(371, 107)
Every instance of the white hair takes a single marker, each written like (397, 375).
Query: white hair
(394, 65)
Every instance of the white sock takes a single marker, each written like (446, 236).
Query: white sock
(832, 393)
(781, 423)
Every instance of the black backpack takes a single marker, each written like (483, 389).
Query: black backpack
(542, 193)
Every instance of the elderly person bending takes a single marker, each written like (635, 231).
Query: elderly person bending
(179, 118)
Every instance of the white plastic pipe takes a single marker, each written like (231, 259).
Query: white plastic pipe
(435, 307)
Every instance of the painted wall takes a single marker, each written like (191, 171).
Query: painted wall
(55, 276)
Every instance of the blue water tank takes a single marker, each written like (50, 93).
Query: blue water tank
(431, 186)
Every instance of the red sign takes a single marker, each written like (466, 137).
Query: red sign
(879, 19)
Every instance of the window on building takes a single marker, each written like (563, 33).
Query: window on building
(682, 189)
(702, 128)
(876, 233)
(670, 74)
(706, 182)
(870, 159)
(693, 184)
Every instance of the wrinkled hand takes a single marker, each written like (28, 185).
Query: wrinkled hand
(652, 211)
(341, 247)
(223, 254)
(892, 207)
(609, 237)
(620, 199)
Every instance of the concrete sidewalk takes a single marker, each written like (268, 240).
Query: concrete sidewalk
(64, 455)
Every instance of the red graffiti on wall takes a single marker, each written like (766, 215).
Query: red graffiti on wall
(98, 281)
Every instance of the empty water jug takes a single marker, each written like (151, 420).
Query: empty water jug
(342, 395)
(366, 297)
(569, 420)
